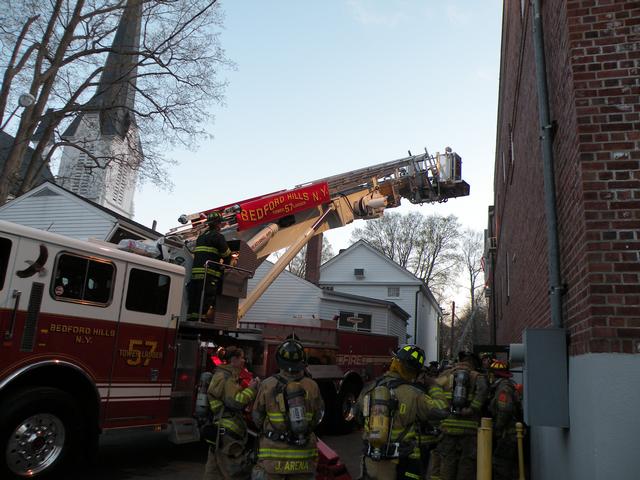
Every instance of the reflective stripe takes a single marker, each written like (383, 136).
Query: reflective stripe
(215, 405)
(476, 404)
(231, 425)
(245, 396)
(415, 454)
(276, 417)
(459, 423)
(283, 453)
(205, 249)
(396, 432)
(197, 273)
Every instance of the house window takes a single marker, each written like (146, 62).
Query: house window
(393, 292)
(148, 292)
(5, 250)
(360, 322)
(83, 280)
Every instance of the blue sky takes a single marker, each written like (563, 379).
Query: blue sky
(322, 88)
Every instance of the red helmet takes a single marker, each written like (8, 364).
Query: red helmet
(499, 365)
(500, 368)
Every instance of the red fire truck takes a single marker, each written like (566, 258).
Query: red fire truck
(96, 338)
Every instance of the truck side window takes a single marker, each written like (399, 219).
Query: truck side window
(5, 251)
(148, 292)
(82, 279)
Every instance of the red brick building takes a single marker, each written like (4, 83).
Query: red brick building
(592, 52)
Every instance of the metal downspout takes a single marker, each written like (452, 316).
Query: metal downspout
(546, 137)
(415, 317)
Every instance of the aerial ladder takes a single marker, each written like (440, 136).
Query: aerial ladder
(259, 226)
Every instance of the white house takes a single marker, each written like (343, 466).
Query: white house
(291, 299)
(55, 209)
(362, 270)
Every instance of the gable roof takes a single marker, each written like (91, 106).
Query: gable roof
(390, 305)
(364, 244)
(123, 221)
(383, 257)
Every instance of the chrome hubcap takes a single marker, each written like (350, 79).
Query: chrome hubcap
(35, 444)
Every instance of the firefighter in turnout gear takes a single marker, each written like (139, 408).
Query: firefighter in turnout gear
(229, 457)
(391, 409)
(430, 433)
(466, 390)
(210, 246)
(506, 409)
(287, 409)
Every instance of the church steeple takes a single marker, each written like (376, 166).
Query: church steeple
(115, 94)
(105, 131)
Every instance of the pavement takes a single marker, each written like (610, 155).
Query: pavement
(349, 447)
(141, 455)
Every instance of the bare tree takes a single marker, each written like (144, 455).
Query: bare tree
(435, 260)
(56, 51)
(424, 245)
(298, 265)
(471, 251)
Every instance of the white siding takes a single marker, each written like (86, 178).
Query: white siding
(288, 299)
(340, 269)
(398, 327)
(428, 328)
(380, 273)
(406, 300)
(380, 314)
(58, 213)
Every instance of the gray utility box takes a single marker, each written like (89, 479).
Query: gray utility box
(546, 382)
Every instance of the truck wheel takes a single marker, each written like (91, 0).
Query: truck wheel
(38, 432)
(346, 398)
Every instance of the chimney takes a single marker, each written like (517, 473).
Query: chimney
(313, 258)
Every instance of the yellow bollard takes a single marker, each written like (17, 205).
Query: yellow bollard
(520, 437)
(485, 440)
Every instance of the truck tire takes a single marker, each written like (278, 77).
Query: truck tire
(347, 396)
(39, 433)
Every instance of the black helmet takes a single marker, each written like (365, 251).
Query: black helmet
(290, 356)
(411, 356)
(214, 218)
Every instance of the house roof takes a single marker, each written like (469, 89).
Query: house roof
(391, 305)
(121, 219)
(6, 142)
(364, 244)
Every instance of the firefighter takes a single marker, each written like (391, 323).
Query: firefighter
(210, 246)
(467, 391)
(229, 457)
(430, 434)
(287, 409)
(506, 409)
(391, 409)
(487, 359)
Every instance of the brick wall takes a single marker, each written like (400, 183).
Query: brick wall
(593, 71)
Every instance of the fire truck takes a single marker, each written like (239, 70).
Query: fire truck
(96, 338)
